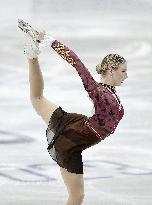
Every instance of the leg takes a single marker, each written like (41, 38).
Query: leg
(35, 79)
(43, 107)
(75, 186)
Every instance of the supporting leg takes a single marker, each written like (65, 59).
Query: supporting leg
(75, 186)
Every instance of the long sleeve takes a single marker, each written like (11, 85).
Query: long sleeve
(68, 55)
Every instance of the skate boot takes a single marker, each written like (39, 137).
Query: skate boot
(31, 51)
(32, 38)
(29, 30)
(31, 42)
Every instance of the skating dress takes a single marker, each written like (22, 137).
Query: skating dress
(68, 134)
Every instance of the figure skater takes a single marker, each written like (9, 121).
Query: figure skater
(68, 134)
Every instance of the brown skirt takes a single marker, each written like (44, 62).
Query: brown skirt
(67, 136)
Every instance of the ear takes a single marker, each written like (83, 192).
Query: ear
(110, 70)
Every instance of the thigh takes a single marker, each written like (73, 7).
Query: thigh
(74, 182)
(44, 108)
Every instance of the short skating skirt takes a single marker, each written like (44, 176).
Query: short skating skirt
(67, 136)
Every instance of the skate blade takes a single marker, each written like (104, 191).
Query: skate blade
(25, 27)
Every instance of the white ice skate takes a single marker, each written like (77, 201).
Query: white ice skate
(31, 43)
(29, 30)
(31, 35)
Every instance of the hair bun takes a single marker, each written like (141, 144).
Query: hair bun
(111, 60)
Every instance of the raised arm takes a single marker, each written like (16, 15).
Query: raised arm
(68, 55)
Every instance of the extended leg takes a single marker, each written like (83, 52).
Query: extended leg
(42, 106)
(35, 79)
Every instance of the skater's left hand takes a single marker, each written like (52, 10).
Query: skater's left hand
(40, 35)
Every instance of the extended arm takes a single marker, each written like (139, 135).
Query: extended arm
(68, 55)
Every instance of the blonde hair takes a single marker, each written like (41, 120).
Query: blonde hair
(111, 60)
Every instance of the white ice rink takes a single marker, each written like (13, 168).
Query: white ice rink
(117, 171)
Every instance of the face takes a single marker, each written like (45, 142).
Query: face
(120, 74)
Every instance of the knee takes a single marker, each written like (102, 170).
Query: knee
(78, 198)
(81, 196)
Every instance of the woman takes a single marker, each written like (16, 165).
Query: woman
(68, 134)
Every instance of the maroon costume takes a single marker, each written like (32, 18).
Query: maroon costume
(68, 134)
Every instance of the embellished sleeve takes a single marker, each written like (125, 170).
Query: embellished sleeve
(68, 55)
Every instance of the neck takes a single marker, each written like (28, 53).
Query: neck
(108, 82)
